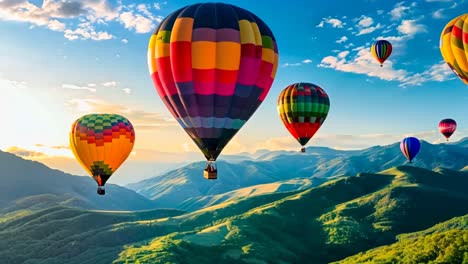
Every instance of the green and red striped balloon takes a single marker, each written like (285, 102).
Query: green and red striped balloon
(303, 107)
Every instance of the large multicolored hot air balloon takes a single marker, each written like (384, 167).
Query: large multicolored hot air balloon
(410, 147)
(303, 107)
(101, 143)
(454, 47)
(447, 127)
(213, 65)
(381, 50)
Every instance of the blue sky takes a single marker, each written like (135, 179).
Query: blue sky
(62, 59)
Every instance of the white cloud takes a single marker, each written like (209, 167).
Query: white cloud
(400, 10)
(139, 118)
(76, 87)
(342, 39)
(125, 41)
(409, 27)
(127, 90)
(365, 21)
(438, 14)
(368, 30)
(137, 22)
(86, 31)
(362, 63)
(343, 54)
(334, 22)
(438, 72)
(306, 61)
(110, 84)
(79, 19)
(292, 64)
(11, 84)
(355, 142)
(157, 6)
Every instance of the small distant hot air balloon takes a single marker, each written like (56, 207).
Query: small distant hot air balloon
(212, 65)
(101, 143)
(410, 147)
(447, 127)
(303, 107)
(381, 50)
(453, 46)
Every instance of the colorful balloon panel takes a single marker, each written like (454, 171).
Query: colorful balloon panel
(447, 127)
(101, 143)
(303, 107)
(410, 147)
(212, 65)
(453, 46)
(381, 50)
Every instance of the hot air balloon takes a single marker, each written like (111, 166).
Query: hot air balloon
(381, 50)
(410, 147)
(454, 48)
(303, 107)
(212, 65)
(447, 127)
(101, 143)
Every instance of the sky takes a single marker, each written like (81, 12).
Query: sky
(60, 60)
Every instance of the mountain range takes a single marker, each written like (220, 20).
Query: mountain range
(185, 188)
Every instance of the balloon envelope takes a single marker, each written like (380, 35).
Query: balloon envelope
(303, 107)
(453, 46)
(212, 65)
(101, 143)
(410, 147)
(447, 127)
(381, 50)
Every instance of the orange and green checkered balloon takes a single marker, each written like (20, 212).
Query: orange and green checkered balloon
(454, 46)
(101, 143)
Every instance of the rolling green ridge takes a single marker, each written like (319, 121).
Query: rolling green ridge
(31, 185)
(444, 243)
(328, 223)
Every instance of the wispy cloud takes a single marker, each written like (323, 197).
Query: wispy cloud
(439, 13)
(124, 41)
(342, 39)
(75, 87)
(306, 61)
(11, 84)
(438, 72)
(139, 118)
(400, 10)
(25, 152)
(127, 90)
(355, 142)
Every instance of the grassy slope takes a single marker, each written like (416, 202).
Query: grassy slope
(327, 223)
(323, 224)
(444, 243)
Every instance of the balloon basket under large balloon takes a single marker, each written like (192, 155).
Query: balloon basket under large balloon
(303, 149)
(101, 190)
(381, 65)
(210, 172)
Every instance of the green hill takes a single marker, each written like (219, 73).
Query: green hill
(28, 184)
(328, 223)
(444, 243)
(323, 224)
